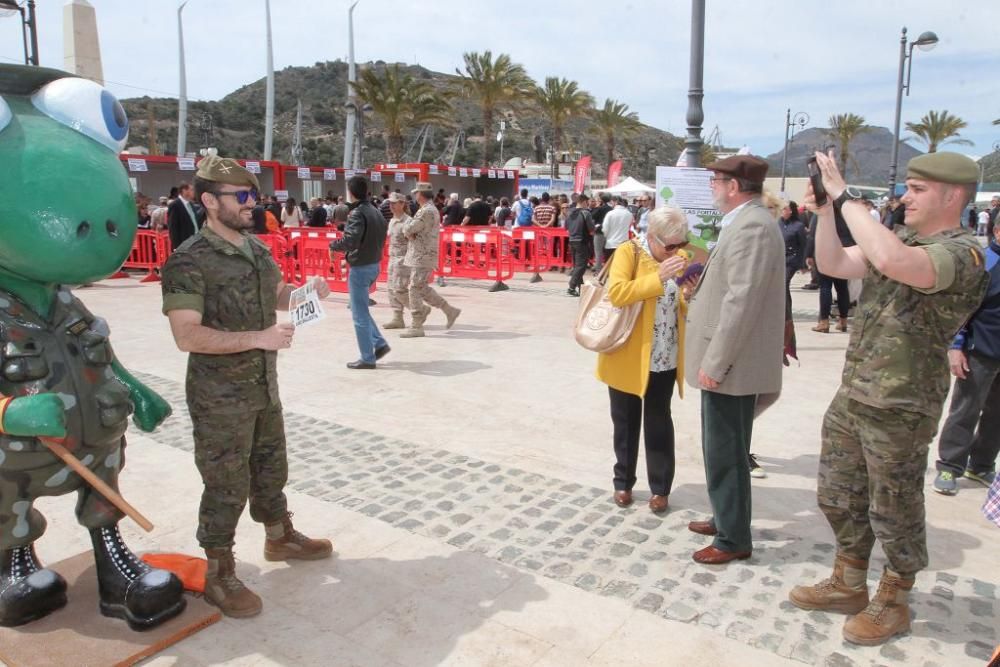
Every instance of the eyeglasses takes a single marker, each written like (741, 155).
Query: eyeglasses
(716, 179)
(669, 248)
(241, 195)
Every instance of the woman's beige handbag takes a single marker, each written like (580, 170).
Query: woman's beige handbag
(600, 326)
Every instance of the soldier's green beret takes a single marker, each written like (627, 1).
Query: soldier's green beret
(225, 170)
(943, 168)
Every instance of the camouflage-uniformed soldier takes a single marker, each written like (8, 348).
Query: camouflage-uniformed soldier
(422, 258)
(399, 274)
(920, 286)
(221, 288)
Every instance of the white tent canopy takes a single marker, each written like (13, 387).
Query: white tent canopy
(629, 186)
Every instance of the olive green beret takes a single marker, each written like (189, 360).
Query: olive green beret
(225, 170)
(943, 168)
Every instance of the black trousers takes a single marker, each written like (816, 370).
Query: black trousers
(971, 434)
(651, 413)
(826, 287)
(581, 253)
(790, 270)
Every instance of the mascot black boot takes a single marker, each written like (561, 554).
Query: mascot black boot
(28, 591)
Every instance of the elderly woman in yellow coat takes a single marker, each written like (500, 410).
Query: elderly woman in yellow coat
(641, 374)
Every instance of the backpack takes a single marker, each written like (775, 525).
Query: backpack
(525, 212)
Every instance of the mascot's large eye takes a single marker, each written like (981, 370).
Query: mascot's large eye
(5, 114)
(87, 108)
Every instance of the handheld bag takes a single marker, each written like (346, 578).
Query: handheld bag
(600, 326)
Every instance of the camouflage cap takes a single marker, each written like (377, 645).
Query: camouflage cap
(944, 168)
(225, 170)
(396, 197)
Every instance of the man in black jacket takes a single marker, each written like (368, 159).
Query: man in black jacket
(364, 237)
(580, 229)
(182, 219)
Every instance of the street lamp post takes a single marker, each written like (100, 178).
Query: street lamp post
(29, 28)
(351, 104)
(926, 42)
(696, 91)
(355, 110)
(182, 100)
(800, 119)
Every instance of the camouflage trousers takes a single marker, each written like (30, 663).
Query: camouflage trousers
(871, 481)
(421, 292)
(31, 472)
(239, 456)
(399, 286)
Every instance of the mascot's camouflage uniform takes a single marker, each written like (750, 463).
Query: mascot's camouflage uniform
(68, 219)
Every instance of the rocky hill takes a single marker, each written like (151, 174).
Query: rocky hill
(870, 151)
(237, 125)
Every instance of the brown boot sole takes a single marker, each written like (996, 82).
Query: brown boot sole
(874, 641)
(235, 613)
(842, 607)
(274, 556)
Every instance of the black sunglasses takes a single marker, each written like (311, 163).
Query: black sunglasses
(242, 196)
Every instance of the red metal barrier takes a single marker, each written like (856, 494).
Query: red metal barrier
(538, 249)
(149, 251)
(309, 255)
(475, 252)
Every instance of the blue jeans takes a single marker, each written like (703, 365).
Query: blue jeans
(359, 281)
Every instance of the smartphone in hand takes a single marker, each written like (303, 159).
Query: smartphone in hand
(816, 178)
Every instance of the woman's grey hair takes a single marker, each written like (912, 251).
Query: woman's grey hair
(667, 223)
(454, 196)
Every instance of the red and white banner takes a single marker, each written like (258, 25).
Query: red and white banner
(582, 172)
(614, 173)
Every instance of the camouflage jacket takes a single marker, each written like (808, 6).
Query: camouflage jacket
(69, 356)
(898, 353)
(212, 276)
(422, 230)
(398, 242)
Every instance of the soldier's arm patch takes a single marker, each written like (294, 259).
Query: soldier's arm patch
(977, 257)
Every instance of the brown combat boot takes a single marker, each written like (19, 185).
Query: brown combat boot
(842, 327)
(285, 543)
(887, 615)
(822, 327)
(845, 591)
(224, 590)
(416, 329)
(396, 322)
(452, 313)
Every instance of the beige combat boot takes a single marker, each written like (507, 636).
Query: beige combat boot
(822, 327)
(396, 322)
(285, 543)
(887, 615)
(845, 591)
(416, 329)
(452, 313)
(224, 590)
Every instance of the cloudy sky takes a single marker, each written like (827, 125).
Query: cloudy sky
(761, 57)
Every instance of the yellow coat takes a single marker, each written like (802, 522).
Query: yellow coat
(627, 368)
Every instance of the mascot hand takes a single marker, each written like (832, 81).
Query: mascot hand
(150, 408)
(42, 415)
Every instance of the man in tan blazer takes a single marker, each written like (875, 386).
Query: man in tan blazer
(735, 328)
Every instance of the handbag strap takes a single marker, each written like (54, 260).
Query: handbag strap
(602, 277)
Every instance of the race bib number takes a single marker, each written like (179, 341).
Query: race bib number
(304, 306)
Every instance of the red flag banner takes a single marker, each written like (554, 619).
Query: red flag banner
(580, 177)
(614, 173)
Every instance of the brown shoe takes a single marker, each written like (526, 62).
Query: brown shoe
(623, 498)
(822, 327)
(887, 615)
(842, 327)
(658, 504)
(285, 543)
(713, 556)
(224, 590)
(703, 528)
(452, 313)
(833, 593)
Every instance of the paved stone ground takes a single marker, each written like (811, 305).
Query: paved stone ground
(575, 534)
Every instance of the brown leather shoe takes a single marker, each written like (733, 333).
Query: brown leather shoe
(712, 556)
(623, 498)
(658, 504)
(703, 528)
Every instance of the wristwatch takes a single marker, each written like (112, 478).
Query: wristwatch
(850, 193)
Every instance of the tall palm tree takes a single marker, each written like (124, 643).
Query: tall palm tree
(402, 103)
(938, 128)
(615, 121)
(561, 100)
(495, 85)
(843, 128)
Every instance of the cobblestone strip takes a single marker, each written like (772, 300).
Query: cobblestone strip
(575, 534)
